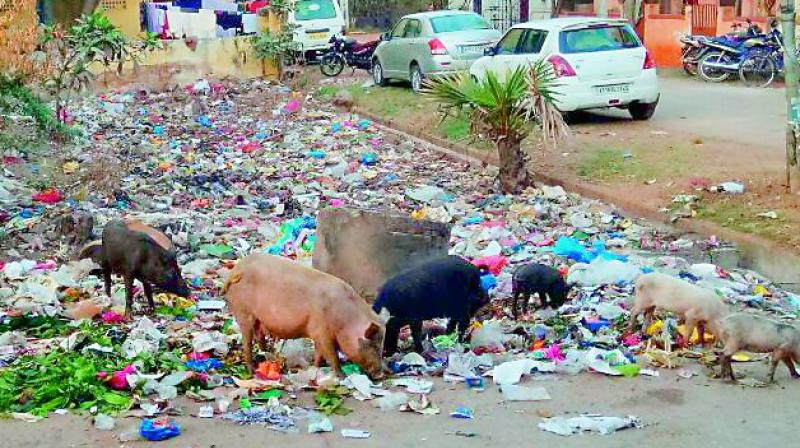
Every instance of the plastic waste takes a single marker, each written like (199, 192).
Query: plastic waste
(392, 401)
(489, 335)
(104, 422)
(318, 422)
(567, 426)
(521, 393)
(355, 434)
(159, 429)
(603, 272)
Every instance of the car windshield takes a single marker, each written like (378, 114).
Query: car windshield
(598, 38)
(459, 22)
(314, 10)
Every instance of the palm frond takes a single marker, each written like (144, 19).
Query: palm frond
(541, 102)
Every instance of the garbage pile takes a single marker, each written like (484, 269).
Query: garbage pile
(229, 168)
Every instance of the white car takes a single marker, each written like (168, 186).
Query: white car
(316, 21)
(600, 63)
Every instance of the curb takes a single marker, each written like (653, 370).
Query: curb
(759, 254)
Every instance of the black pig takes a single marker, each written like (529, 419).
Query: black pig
(136, 251)
(540, 279)
(441, 287)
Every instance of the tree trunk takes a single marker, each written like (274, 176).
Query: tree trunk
(89, 6)
(514, 176)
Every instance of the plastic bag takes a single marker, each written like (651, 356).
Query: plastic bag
(159, 429)
(489, 335)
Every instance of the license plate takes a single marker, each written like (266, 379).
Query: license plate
(475, 49)
(317, 36)
(610, 90)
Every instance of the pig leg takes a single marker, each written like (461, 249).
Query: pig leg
(416, 333)
(148, 292)
(635, 312)
(107, 279)
(325, 346)
(691, 325)
(701, 332)
(463, 324)
(790, 365)
(727, 369)
(392, 333)
(777, 356)
(128, 295)
(515, 303)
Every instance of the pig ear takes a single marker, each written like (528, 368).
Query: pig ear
(384, 316)
(372, 332)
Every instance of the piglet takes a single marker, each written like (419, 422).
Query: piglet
(287, 300)
(543, 280)
(137, 251)
(758, 334)
(440, 287)
(698, 306)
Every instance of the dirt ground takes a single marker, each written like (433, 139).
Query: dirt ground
(674, 411)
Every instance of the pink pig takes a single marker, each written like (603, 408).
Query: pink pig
(271, 294)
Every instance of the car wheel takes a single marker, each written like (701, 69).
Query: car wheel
(416, 78)
(642, 111)
(377, 73)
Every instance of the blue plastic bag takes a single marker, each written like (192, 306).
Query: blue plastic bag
(488, 282)
(205, 365)
(572, 249)
(160, 429)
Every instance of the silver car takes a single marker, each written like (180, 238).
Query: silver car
(430, 44)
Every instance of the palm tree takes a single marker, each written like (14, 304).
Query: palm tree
(505, 113)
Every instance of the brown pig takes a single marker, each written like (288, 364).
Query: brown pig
(758, 334)
(271, 294)
(698, 306)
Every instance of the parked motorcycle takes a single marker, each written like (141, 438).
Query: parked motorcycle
(723, 59)
(346, 52)
(764, 60)
(694, 46)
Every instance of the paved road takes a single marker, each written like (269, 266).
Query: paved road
(728, 112)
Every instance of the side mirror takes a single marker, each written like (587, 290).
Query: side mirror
(386, 37)
(489, 51)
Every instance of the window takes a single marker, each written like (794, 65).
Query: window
(314, 10)
(598, 38)
(413, 29)
(508, 44)
(459, 22)
(532, 42)
(399, 28)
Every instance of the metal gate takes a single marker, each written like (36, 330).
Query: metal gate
(502, 13)
(704, 19)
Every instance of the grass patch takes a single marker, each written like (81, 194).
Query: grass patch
(400, 104)
(736, 215)
(638, 163)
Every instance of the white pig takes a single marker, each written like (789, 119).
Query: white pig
(698, 306)
(758, 334)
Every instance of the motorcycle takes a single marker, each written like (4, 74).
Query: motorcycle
(695, 46)
(346, 52)
(765, 61)
(724, 58)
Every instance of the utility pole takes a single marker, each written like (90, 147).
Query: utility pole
(791, 76)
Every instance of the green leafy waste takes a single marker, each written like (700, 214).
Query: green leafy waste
(40, 384)
(331, 401)
(41, 327)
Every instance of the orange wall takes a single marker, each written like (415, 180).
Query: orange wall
(661, 34)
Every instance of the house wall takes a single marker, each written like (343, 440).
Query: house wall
(661, 34)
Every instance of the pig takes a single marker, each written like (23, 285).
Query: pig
(697, 305)
(543, 280)
(137, 251)
(75, 226)
(440, 287)
(758, 334)
(287, 300)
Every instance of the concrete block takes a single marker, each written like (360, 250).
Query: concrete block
(364, 248)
